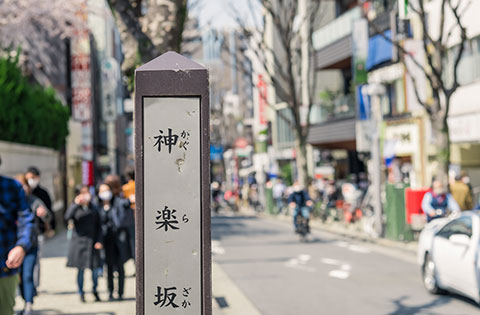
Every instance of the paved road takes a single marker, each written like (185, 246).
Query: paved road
(328, 275)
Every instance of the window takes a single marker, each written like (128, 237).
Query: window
(285, 135)
(462, 225)
(394, 102)
(469, 66)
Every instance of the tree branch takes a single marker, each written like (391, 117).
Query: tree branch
(463, 33)
(437, 73)
(455, 25)
(125, 11)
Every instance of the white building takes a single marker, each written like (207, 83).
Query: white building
(464, 115)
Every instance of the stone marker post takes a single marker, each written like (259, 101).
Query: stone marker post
(173, 256)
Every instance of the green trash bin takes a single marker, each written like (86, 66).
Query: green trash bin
(269, 204)
(396, 225)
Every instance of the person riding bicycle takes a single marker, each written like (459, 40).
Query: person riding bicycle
(437, 202)
(300, 201)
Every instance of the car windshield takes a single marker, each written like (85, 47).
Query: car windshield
(462, 225)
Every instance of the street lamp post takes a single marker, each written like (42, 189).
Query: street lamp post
(376, 91)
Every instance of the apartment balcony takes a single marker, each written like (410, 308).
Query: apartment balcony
(333, 124)
(333, 42)
(339, 28)
(341, 107)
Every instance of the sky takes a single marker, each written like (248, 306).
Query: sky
(219, 13)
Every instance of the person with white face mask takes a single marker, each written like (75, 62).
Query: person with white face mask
(86, 241)
(438, 202)
(33, 178)
(114, 219)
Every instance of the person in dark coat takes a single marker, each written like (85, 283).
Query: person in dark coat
(86, 242)
(33, 178)
(113, 214)
(301, 203)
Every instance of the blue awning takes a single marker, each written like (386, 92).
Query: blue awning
(380, 50)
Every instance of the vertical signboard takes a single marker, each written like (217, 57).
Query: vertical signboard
(172, 187)
(360, 50)
(81, 75)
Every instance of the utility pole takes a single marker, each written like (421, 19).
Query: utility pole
(376, 91)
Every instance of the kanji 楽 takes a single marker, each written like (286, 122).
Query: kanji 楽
(167, 219)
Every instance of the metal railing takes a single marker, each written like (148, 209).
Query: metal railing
(342, 106)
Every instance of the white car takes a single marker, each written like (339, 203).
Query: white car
(448, 253)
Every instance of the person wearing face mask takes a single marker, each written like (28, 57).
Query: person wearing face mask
(31, 263)
(114, 219)
(438, 201)
(86, 241)
(301, 203)
(33, 178)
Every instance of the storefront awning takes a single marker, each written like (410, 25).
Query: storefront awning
(338, 134)
(380, 50)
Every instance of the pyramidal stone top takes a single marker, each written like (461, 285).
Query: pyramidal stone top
(171, 61)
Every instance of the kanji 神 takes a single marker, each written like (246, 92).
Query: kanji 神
(166, 298)
(167, 219)
(168, 140)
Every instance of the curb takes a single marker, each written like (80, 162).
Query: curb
(409, 247)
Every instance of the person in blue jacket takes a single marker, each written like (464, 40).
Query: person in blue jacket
(16, 236)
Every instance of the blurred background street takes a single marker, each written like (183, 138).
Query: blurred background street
(344, 150)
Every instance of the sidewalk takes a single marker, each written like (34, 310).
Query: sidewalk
(57, 293)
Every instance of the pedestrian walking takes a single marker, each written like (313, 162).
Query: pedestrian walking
(31, 262)
(461, 193)
(114, 181)
(129, 193)
(437, 202)
(16, 228)
(278, 192)
(113, 216)
(86, 242)
(33, 178)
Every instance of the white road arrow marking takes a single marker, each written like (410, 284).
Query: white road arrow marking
(330, 261)
(339, 274)
(342, 273)
(300, 263)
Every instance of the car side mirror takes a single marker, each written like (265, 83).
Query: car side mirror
(459, 239)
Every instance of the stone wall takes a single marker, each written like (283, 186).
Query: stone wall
(16, 158)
